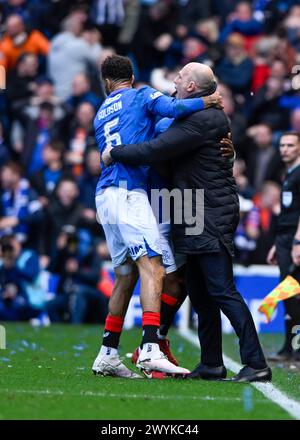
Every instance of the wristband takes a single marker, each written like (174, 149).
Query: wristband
(232, 159)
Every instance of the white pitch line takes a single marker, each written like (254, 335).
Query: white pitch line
(271, 392)
(119, 395)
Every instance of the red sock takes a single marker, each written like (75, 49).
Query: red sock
(169, 300)
(168, 309)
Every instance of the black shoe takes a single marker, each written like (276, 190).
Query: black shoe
(248, 374)
(281, 356)
(209, 373)
(295, 356)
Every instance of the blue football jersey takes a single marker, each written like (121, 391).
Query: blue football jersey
(156, 180)
(128, 116)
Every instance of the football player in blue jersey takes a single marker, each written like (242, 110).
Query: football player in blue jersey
(129, 116)
(174, 291)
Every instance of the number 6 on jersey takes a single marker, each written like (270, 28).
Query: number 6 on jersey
(110, 138)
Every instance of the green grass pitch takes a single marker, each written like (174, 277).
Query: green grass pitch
(45, 373)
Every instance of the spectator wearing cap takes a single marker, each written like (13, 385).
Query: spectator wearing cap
(18, 40)
(236, 68)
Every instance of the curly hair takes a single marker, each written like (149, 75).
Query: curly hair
(117, 68)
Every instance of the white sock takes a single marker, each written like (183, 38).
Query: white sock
(150, 349)
(108, 351)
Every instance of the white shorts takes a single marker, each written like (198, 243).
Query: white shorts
(171, 260)
(129, 224)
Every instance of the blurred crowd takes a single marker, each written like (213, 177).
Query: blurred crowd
(50, 55)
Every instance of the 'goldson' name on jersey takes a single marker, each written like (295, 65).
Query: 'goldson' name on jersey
(110, 110)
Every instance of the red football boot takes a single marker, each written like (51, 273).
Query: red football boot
(164, 345)
(149, 374)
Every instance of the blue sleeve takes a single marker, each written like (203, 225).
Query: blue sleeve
(163, 125)
(30, 269)
(251, 27)
(161, 105)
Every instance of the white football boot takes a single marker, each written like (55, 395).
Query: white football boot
(112, 366)
(152, 359)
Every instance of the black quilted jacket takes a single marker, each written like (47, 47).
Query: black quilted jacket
(191, 145)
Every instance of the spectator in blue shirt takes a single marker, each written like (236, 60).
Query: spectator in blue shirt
(19, 208)
(45, 180)
(21, 294)
(242, 21)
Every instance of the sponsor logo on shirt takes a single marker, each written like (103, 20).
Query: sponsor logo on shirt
(155, 95)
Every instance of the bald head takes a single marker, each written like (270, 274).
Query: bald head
(14, 25)
(194, 78)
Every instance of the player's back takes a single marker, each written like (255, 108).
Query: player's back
(123, 118)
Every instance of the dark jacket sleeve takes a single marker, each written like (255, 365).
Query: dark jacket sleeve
(181, 138)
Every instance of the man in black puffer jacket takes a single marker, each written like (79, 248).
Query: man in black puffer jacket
(192, 147)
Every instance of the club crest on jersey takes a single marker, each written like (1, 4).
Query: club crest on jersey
(287, 198)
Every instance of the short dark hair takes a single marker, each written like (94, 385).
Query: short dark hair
(66, 177)
(56, 145)
(47, 106)
(15, 167)
(291, 133)
(116, 67)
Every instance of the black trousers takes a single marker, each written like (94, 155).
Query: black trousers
(292, 306)
(211, 288)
